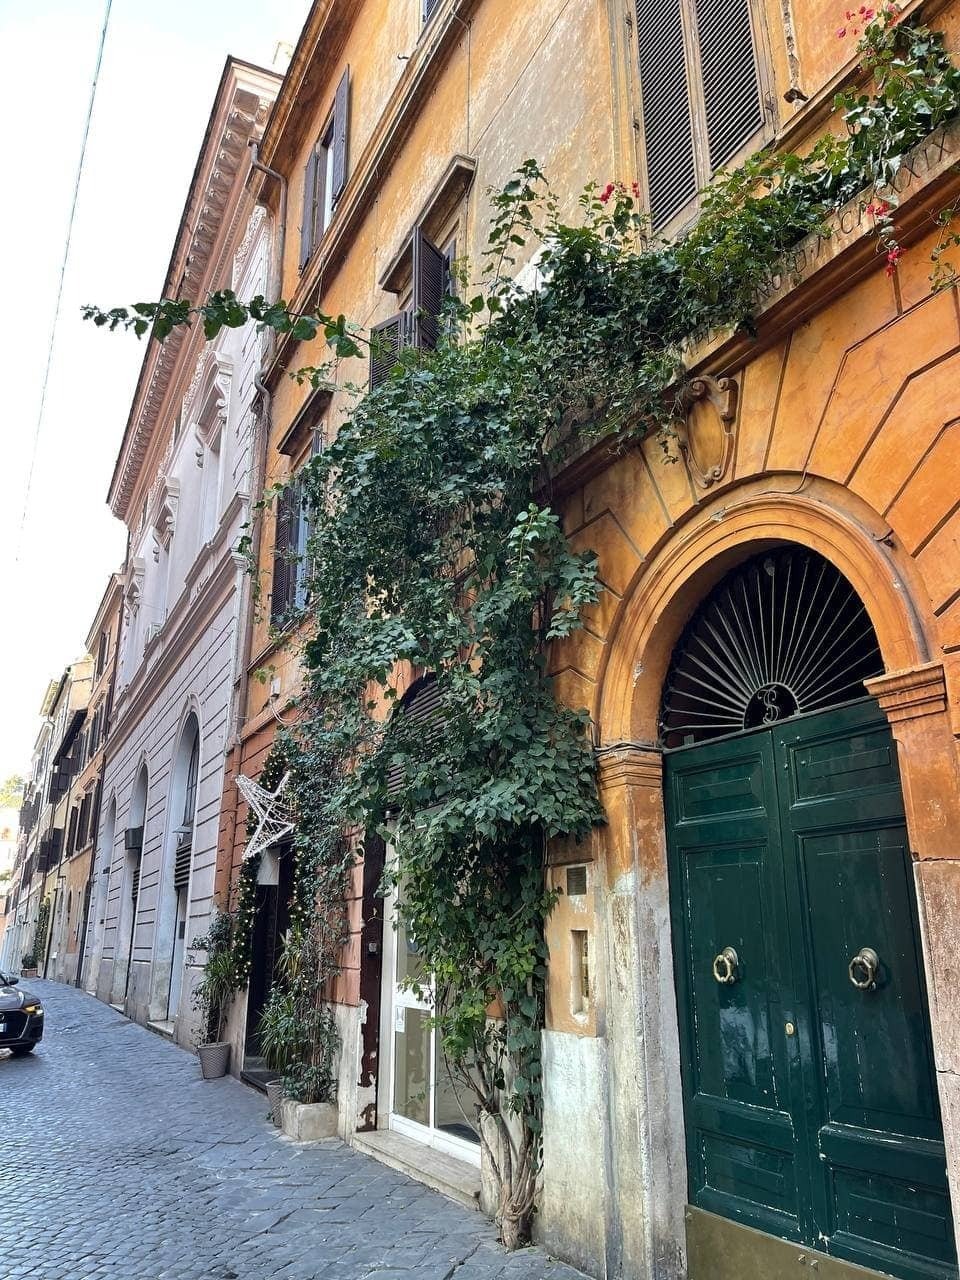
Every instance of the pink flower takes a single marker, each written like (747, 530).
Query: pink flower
(893, 257)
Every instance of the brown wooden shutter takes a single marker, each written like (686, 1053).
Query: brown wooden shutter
(731, 86)
(341, 124)
(387, 340)
(309, 197)
(429, 284)
(284, 570)
(667, 125)
(422, 706)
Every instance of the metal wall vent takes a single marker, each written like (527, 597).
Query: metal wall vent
(782, 635)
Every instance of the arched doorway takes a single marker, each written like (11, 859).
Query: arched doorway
(178, 863)
(132, 864)
(810, 1100)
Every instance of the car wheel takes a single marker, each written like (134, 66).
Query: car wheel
(22, 1049)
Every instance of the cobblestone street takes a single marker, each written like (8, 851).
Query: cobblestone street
(117, 1160)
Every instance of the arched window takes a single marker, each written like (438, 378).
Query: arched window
(190, 792)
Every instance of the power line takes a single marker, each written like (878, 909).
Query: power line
(63, 271)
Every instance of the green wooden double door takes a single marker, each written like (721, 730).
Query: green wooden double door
(810, 1098)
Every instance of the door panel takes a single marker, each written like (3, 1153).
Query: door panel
(877, 1117)
(726, 858)
(810, 1103)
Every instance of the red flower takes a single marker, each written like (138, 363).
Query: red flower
(893, 257)
(841, 32)
(635, 188)
(606, 193)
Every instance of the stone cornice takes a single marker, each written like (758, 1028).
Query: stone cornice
(628, 764)
(208, 228)
(909, 695)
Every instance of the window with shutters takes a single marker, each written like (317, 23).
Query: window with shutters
(102, 654)
(325, 175)
(418, 323)
(289, 591)
(702, 95)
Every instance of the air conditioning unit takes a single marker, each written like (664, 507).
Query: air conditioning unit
(133, 838)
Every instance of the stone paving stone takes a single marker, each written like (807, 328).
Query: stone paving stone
(117, 1160)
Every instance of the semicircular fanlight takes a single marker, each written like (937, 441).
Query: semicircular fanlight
(781, 635)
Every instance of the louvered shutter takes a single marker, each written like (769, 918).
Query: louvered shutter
(429, 284)
(135, 883)
(341, 122)
(284, 569)
(184, 857)
(309, 199)
(667, 126)
(387, 340)
(731, 86)
(72, 830)
(423, 708)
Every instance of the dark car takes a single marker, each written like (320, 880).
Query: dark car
(21, 1018)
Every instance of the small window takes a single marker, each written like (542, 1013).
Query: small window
(579, 972)
(701, 94)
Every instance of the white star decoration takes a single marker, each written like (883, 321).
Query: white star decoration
(274, 818)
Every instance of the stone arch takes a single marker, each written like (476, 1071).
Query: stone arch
(736, 525)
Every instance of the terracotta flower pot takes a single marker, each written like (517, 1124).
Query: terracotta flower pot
(214, 1059)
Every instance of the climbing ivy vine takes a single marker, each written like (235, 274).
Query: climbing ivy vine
(436, 547)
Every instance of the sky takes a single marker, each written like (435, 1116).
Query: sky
(161, 65)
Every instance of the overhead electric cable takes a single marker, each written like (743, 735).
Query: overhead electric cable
(63, 271)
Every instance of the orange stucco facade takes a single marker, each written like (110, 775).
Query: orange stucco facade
(837, 428)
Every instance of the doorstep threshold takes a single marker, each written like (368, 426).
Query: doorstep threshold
(162, 1028)
(457, 1179)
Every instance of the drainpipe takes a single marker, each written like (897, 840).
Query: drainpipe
(282, 232)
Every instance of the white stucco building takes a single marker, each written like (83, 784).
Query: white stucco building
(182, 485)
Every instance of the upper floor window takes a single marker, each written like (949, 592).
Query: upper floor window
(102, 654)
(428, 8)
(701, 94)
(326, 173)
(417, 324)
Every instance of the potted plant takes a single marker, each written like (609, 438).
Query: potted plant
(212, 995)
(277, 1038)
(28, 964)
(298, 1037)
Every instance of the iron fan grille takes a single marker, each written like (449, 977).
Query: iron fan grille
(782, 635)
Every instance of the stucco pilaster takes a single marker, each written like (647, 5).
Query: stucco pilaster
(646, 1151)
(917, 705)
